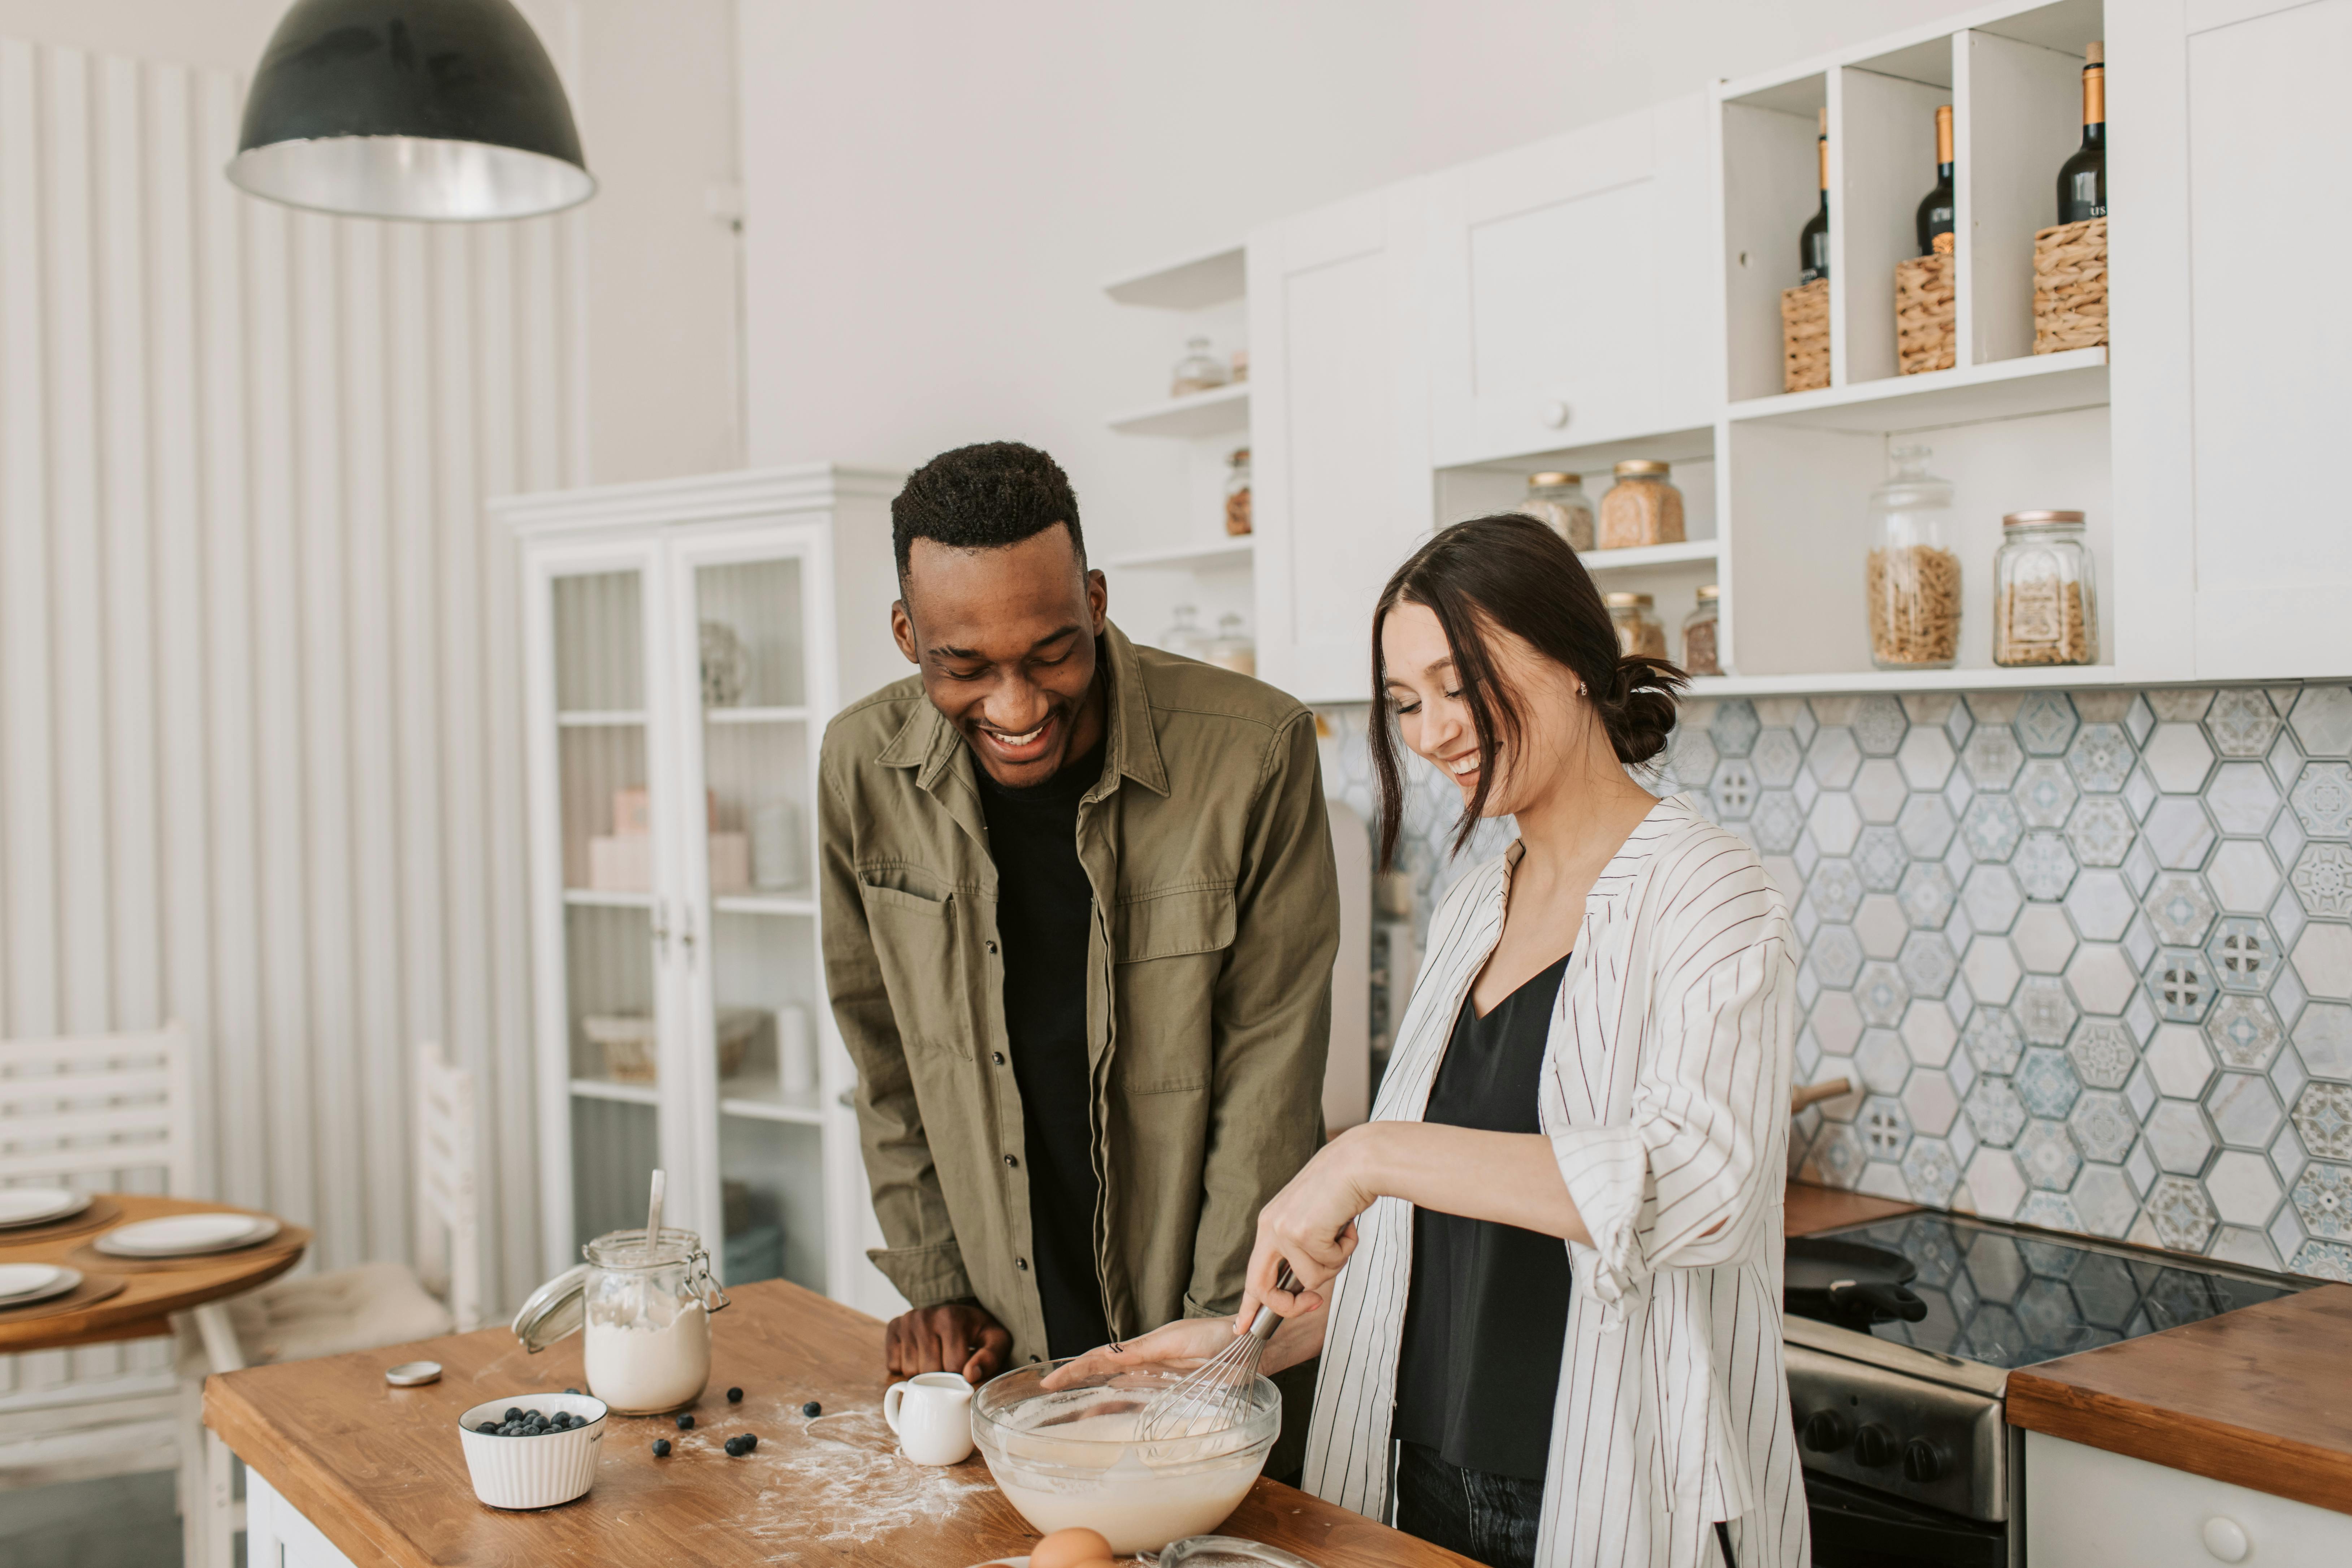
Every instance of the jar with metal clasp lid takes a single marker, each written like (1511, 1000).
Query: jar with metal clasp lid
(1701, 649)
(1639, 629)
(1560, 501)
(646, 1311)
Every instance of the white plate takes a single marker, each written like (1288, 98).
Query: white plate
(187, 1234)
(38, 1205)
(21, 1284)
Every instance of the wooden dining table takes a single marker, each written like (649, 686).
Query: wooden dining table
(153, 1290)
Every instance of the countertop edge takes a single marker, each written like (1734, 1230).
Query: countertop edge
(2218, 1450)
(333, 1509)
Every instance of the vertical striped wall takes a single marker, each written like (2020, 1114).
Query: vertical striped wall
(260, 762)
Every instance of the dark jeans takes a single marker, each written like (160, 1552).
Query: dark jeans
(1487, 1518)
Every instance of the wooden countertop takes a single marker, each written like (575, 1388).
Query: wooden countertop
(2261, 1397)
(380, 1471)
(1811, 1209)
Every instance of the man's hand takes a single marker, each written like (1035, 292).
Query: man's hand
(958, 1337)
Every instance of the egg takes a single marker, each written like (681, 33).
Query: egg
(1074, 1548)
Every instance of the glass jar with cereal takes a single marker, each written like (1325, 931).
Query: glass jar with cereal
(2044, 610)
(1913, 576)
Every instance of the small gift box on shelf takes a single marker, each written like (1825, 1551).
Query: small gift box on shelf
(2070, 287)
(1924, 313)
(1805, 336)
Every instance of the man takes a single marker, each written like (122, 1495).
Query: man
(1079, 917)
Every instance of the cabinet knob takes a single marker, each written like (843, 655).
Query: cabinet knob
(2225, 1538)
(1552, 412)
(1875, 1446)
(1921, 1461)
(1827, 1431)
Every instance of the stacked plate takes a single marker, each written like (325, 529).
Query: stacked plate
(186, 1234)
(21, 1206)
(21, 1284)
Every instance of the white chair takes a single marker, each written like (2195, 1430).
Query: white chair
(380, 1303)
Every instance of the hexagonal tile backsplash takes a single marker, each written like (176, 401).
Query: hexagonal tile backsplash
(2087, 956)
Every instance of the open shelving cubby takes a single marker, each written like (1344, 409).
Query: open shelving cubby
(2012, 430)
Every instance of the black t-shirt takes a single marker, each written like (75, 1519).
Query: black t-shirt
(1488, 1311)
(1045, 912)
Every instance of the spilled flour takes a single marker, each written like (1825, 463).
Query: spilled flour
(839, 1481)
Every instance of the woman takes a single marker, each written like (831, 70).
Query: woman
(1597, 1052)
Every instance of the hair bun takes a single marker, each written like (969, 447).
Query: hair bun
(1639, 712)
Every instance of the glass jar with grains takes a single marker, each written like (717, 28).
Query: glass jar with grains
(1638, 630)
(1558, 501)
(1913, 578)
(1642, 508)
(2044, 610)
(1198, 371)
(1237, 492)
(1699, 645)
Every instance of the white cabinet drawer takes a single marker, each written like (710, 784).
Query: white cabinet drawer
(2085, 1508)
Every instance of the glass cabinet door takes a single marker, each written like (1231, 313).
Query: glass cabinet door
(612, 854)
(758, 986)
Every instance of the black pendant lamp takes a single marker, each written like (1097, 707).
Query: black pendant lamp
(443, 110)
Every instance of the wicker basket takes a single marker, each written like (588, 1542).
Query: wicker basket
(1805, 336)
(1924, 301)
(2070, 287)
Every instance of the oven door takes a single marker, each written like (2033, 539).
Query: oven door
(1855, 1527)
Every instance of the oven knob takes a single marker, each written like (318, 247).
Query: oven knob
(1827, 1431)
(1876, 1445)
(1921, 1461)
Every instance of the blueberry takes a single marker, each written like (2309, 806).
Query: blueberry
(685, 1423)
(735, 1449)
(571, 1391)
(812, 1410)
(487, 1428)
(514, 1413)
(749, 1440)
(734, 1396)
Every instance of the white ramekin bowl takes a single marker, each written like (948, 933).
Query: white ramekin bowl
(533, 1472)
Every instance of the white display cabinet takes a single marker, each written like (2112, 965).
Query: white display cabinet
(687, 641)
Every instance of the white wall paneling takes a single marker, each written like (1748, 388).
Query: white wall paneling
(260, 754)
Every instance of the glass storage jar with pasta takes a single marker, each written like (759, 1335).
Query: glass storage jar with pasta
(1642, 508)
(1558, 501)
(1700, 647)
(1913, 576)
(1638, 630)
(2044, 608)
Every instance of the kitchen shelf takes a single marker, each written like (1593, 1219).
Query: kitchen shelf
(1195, 283)
(1646, 555)
(1222, 410)
(601, 898)
(762, 904)
(1965, 395)
(600, 717)
(1864, 681)
(1225, 552)
(770, 1103)
(621, 1093)
(754, 715)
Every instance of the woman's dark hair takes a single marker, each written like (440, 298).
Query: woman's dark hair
(1511, 572)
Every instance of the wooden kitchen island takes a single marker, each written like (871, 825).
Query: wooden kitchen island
(375, 1474)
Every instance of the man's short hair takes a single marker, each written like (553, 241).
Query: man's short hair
(983, 498)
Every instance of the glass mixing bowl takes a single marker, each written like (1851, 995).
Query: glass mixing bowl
(1068, 1456)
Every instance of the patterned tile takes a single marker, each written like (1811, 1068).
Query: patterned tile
(1734, 728)
(2044, 866)
(1836, 956)
(2325, 1260)
(1879, 858)
(2048, 1155)
(1733, 789)
(1776, 822)
(1881, 1061)
(1878, 725)
(2241, 722)
(2046, 722)
(2045, 1082)
(1991, 827)
(1927, 895)
(1882, 994)
(2180, 703)
(2322, 720)
(2323, 1119)
(2105, 1201)
(1994, 1112)
(2101, 758)
(2181, 1213)
(1927, 963)
(1992, 757)
(1991, 898)
(2103, 1054)
(2322, 1198)
(1930, 1172)
(2044, 793)
(2102, 1126)
(1775, 757)
(2243, 953)
(1992, 1041)
(2101, 831)
(2045, 1014)
(2243, 1031)
(1885, 1130)
(2181, 985)
(1835, 891)
(2180, 909)
(2322, 879)
(2321, 799)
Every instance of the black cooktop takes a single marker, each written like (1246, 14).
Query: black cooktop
(2011, 1297)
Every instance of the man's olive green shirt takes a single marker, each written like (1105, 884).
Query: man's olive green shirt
(1217, 915)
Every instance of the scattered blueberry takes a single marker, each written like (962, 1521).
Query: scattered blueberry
(685, 1423)
(734, 1396)
(812, 1410)
(661, 1448)
(749, 1440)
(741, 1444)
(571, 1391)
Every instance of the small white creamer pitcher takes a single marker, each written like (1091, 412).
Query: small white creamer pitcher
(932, 1416)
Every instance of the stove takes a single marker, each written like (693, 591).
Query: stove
(1907, 1456)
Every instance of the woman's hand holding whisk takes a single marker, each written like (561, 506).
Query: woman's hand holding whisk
(1311, 1225)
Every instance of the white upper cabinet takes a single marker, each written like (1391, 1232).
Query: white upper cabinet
(1340, 431)
(2267, 146)
(1571, 299)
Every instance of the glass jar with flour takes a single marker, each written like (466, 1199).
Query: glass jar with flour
(646, 1311)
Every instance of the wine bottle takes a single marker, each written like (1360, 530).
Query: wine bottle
(1936, 209)
(1813, 244)
(2083, 178)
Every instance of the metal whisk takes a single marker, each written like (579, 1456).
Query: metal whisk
(1217, 1397)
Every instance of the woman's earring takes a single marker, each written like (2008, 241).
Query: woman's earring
(1579, 688)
